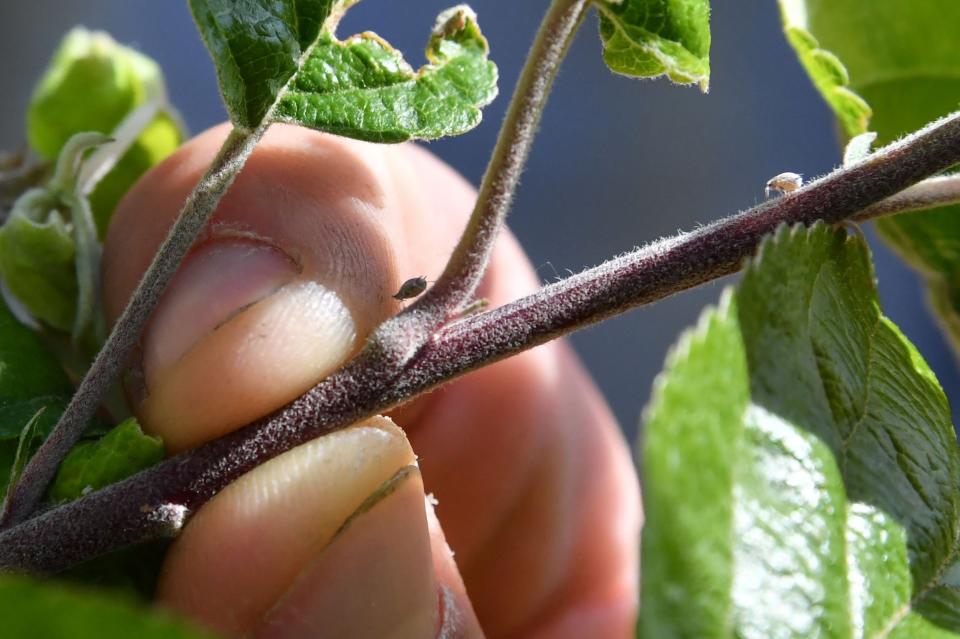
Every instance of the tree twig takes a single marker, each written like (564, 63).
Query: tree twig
(157, 500)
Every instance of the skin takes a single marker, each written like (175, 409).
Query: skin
(535, 490)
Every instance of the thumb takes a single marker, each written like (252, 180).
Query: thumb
(299, 263)
(295, 268)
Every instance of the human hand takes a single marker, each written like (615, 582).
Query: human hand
(537, 495)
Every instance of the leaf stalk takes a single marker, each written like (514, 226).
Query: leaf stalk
(461, 276)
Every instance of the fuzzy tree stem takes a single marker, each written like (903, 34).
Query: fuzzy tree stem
(460, 278)
(157, 500)
(200, 205)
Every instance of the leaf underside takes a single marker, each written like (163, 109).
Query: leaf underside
(280, 61)
(800, 467)
(649, 38)
(904, 60)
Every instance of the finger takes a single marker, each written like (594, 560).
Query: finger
(535, 484)
(328, 540)
(296, 267)
(537, 494)
(536, 488)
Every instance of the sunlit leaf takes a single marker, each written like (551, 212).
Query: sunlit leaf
(92, 84)
(281, 61)
(648, 38)
(800, 467)
(123, 451)
(903, 58)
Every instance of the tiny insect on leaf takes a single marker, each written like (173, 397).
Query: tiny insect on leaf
(411, 288)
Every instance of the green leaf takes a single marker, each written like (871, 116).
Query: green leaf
(825, 69)
(30, 377)
(31, 380)
(158, 140)
(800, 467)
(257, 47)
(362, 88)
(648, 38)
(32, 609)
(904, 59)
(38, 260)
(123, 451)
(27, 442)
(52, 265)
(280, 61)
(92, 84)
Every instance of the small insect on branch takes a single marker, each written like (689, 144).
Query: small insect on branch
(411, 288)
(784, 183)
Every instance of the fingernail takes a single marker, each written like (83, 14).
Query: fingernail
(246, 549)
(240, 333)
(375, 579)
(217, 281)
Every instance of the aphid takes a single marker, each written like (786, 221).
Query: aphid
(785, 183)
(411, 288)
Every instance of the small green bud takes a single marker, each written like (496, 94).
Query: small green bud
(92, 84)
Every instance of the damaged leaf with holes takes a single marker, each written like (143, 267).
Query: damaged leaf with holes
(282, 62)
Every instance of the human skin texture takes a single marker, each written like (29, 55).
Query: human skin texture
(535, 490)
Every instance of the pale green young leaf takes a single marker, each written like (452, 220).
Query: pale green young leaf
(31, 609)
(157, 141)
(649, 38)
(858, 148)
(800, 467)
(825, 69)
(904, 59)
(280, 61)
(37, 261)
(123, 451)
(49, 263)
(92, 84)
(29, 438)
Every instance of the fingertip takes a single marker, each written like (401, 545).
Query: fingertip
(297, 266)
(244, 549)
(375, 579)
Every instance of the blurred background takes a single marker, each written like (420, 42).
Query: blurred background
(619, 162)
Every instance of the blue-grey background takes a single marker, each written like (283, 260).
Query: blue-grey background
(619, 162)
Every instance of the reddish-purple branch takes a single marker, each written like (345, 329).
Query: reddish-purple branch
(156, 501)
